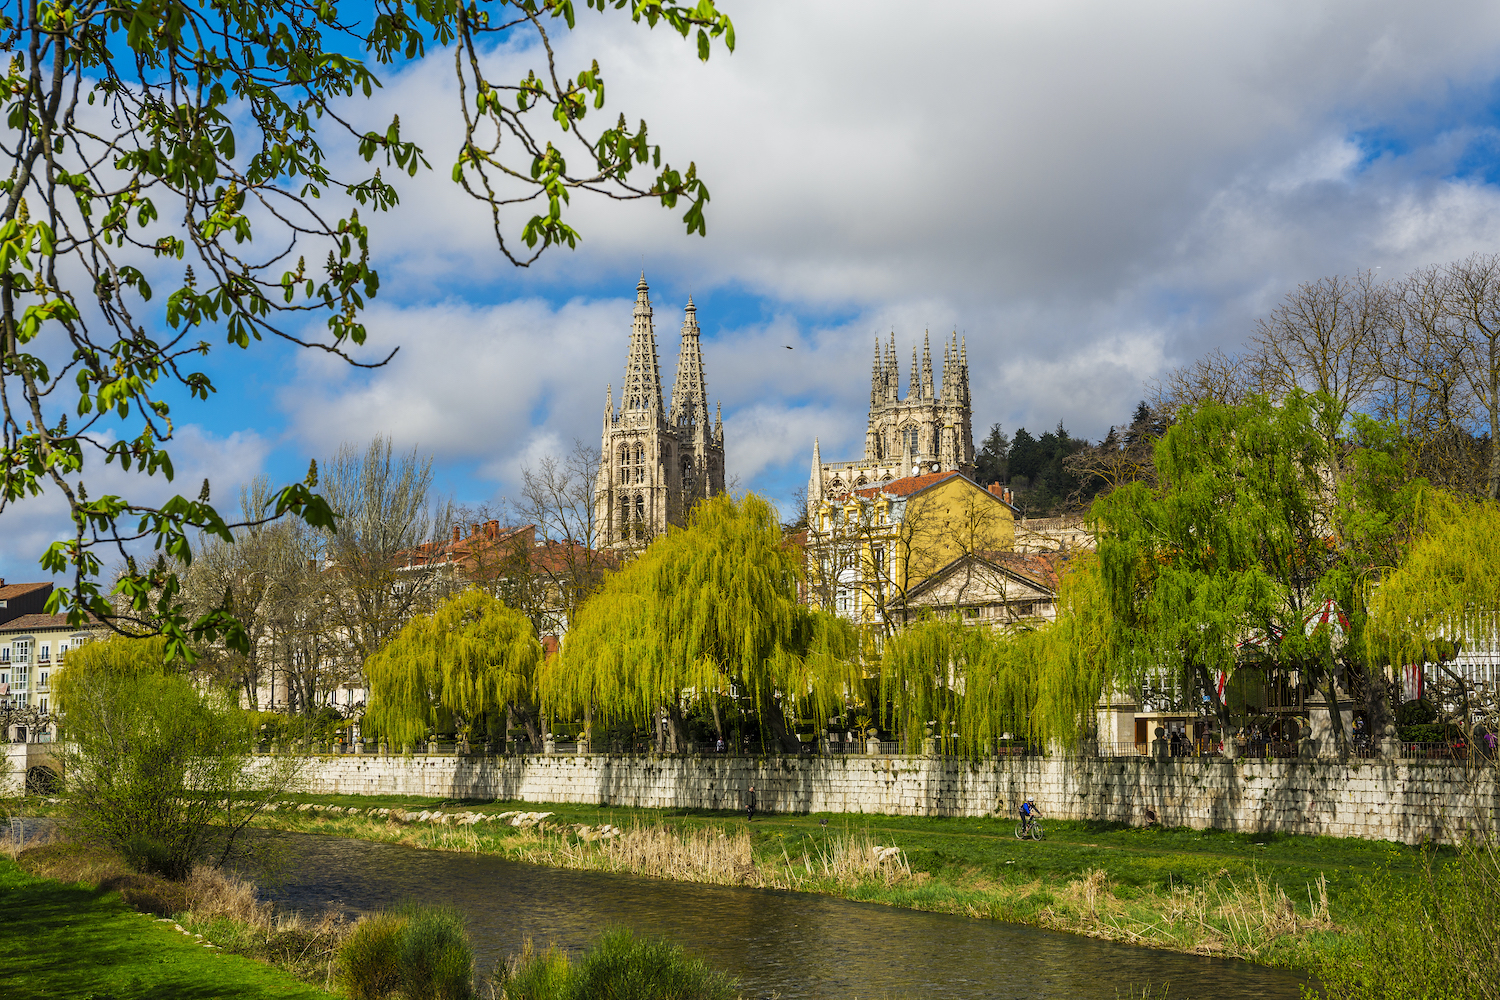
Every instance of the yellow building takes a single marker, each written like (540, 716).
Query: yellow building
(888, 553)
(33, 648)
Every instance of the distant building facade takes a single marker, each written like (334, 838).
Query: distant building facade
(655, 463)
(928, 430)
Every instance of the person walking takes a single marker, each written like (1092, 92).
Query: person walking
(750, 804)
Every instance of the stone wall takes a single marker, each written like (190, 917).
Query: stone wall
(1385, 800)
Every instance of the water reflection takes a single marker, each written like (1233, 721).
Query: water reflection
(791, 944)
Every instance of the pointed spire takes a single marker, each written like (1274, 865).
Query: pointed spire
(640, 396)
(926, 365)
(690, 391)
(609, 404)
(892, 372)
(914, 386)
(815, 479)
(905, 456)
(876, 395)
(963, 370)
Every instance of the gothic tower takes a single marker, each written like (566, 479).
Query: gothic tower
(929, 430)
(654, 463)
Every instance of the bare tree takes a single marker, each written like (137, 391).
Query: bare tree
(558, 497)
(386, 561)
(1426, 388)
(1471, 335)
(1216, 377)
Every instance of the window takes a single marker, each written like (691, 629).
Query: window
(62, 650)
(4, 654)
(42, 681)
(21, 650)
(44, 653)
(42, 705)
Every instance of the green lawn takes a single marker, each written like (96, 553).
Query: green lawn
(67, 941)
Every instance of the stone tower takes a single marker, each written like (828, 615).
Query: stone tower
(928, 430)
(655, 463)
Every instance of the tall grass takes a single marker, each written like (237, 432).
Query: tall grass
(416, 952)
(1438, 939)
(619, 966)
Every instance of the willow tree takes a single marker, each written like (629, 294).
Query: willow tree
(974, 685)
(471, 656)
(1244, 542)
(706, 610)
(1445, 592)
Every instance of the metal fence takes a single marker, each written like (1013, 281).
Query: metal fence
(1439, 753)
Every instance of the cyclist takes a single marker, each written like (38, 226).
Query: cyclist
(1028, 815)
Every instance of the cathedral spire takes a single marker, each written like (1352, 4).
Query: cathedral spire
(815, 480)
(963, 370)
(640, 397)
(875, 383)
(609, 405)
(892, 372)
(926, 365)
(690, 391)
(914, 387)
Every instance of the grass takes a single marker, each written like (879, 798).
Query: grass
(70, 940)
(1277, 899)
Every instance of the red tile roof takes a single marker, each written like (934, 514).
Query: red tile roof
(31, 623)
(11, 591)
(906, 487)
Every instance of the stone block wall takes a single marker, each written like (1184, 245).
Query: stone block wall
(1385, 800)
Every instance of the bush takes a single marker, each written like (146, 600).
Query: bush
(1436, 940)
(369, 962)
(437, 962)
(421, 952)
(620, 966)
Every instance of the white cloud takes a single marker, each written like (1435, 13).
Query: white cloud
(228, 462)
(1090, 192)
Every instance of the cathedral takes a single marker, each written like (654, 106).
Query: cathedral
(654, 463)
(930, 430)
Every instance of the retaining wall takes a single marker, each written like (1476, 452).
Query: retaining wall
(1383, 800)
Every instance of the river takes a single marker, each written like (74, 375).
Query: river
(789, 944)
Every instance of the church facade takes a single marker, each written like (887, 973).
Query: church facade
(656, 462)
(928, 430)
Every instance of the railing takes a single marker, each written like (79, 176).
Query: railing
(1243, 749)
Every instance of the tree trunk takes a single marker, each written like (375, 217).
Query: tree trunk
(680, 741)
(713, 705)
(772, 718)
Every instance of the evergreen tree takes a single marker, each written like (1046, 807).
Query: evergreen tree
(990, 465)
(709, 609)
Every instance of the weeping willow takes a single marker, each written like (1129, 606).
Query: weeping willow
(970, 687)
(705, 607)
(471, 655)
(1446, 589)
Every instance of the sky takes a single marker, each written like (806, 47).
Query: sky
(1089, 193)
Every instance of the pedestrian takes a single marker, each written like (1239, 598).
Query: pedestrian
(720, 747)
(750, 805)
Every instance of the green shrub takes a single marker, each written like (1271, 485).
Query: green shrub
(622, 966)
(437, 962)
(1434, 940)
(533, 976)
(421, 952)
(369, 966)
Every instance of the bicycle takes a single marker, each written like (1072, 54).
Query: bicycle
(1030, 827)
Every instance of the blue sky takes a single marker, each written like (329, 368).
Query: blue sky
(1091, 193)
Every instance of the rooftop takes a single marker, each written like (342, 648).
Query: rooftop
(37, 623)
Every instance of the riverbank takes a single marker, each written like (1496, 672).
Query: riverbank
(76, 940)
(1278, 900)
